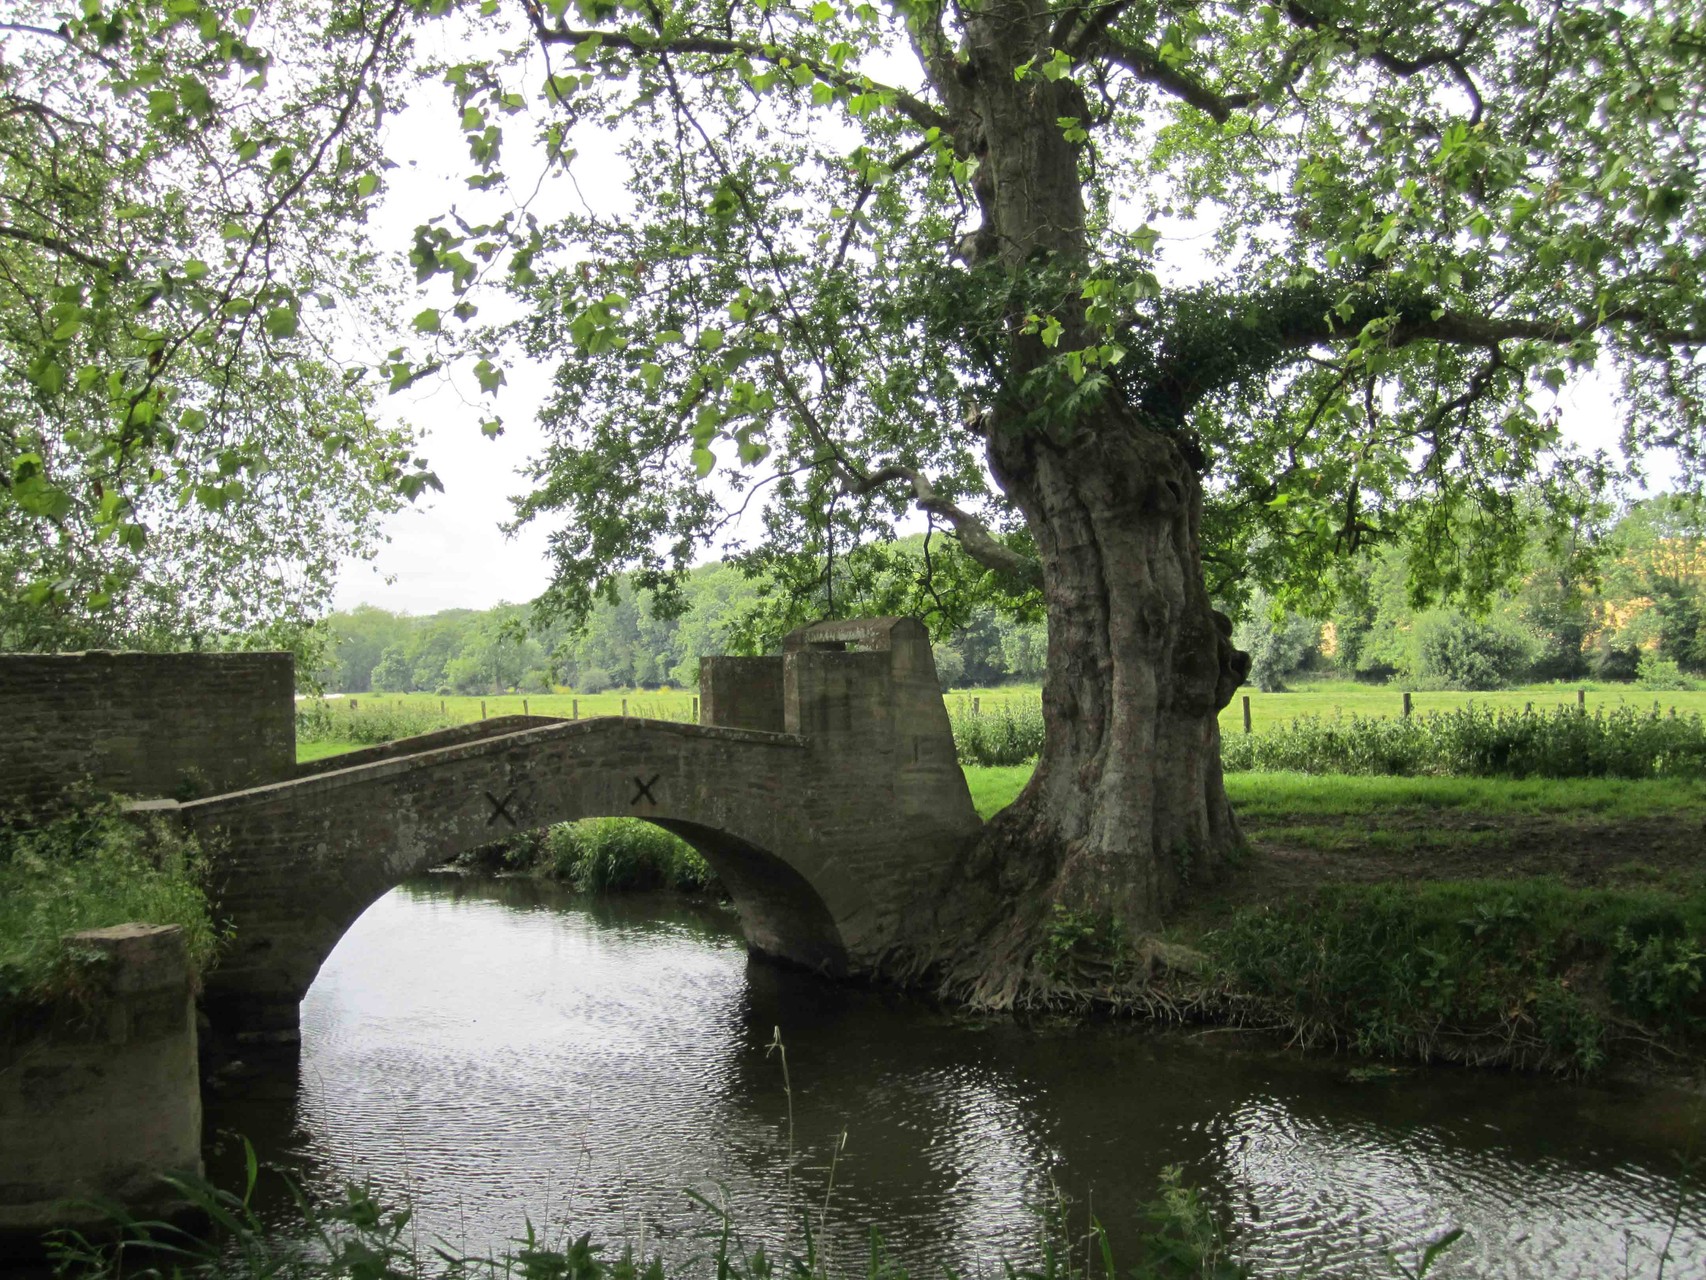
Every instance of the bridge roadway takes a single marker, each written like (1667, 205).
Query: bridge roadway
(822, 788)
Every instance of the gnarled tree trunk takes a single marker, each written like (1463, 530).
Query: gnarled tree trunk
(1126, 809)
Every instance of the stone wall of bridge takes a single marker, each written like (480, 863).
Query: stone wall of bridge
(143, 724)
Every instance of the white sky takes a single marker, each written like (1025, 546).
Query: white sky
(447, 550)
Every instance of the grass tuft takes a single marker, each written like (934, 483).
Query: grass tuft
(90, 870)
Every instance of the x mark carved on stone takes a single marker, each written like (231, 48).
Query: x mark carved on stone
(645, 790)
(500, 808)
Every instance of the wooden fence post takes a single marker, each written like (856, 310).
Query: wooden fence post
(352, 704)
(1406, 704)
(441, 706)
(524, 710)
(1246, 713)
(1582, 701)
(624, 706)
(977, 706)
(695, 711)
(482, 708)
(576, 713)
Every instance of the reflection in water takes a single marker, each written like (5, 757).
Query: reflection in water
(501, 1054)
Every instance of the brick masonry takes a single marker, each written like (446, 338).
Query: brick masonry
(143, 724)
(831, 829)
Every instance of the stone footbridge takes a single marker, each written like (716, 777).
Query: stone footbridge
(821, 785)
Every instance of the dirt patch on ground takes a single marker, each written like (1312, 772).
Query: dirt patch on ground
(1292, 859)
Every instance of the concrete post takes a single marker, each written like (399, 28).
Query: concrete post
(100, 1096)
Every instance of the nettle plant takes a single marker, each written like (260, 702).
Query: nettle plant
(1140, 304)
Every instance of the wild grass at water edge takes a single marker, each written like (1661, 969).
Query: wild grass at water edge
(90, 869)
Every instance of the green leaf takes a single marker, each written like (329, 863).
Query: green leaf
(710, 339)
(281, 322)
(703, 461)
(490, 376)
(366, 185)
(427, 321)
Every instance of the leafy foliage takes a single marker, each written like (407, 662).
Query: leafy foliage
(1009, 733)
(87, 870)
(185, 444)
(1526, 973)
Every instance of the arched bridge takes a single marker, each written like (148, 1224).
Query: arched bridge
(821, 785)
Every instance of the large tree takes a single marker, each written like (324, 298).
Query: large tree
(1141, 303)
(880, 254)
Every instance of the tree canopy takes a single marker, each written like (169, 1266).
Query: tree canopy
(190, 437)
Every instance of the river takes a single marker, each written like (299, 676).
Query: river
(499, 1051)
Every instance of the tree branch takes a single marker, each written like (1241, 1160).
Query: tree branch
(56, 245)
(973, 533)
(919, 111)
(1147, 66)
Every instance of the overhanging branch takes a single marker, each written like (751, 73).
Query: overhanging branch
(914, 108)
(974, 535)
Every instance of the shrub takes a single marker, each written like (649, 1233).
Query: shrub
(1477, 742)
(602, 855)
(594, 680)
(89, 870)
(1010, 732)
(1654, 672)
(1277, 646)
(1454, 651)
(1527, 973)
(950, 667)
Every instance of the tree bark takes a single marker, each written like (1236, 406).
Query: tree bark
(1126, 810)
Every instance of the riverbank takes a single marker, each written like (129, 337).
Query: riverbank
(1556, 926)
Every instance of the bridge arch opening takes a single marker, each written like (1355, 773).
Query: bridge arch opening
(781, 915)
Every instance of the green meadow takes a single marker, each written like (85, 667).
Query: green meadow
(1325, 700)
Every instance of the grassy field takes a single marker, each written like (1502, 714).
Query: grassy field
(1347, 697)
(1267, 710)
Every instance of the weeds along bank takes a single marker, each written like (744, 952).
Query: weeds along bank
(601, 855)
(1438, 954)
(364, 1236)
(91, 869)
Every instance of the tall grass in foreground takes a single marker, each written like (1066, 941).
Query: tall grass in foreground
(88, 870)
(1479, 742)
(361, 1237)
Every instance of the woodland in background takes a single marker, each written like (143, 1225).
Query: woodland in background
(1622, 598)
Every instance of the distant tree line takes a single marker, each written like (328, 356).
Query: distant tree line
(1616, 598)
(629, 642)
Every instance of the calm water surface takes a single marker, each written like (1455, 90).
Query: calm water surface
(500, 1052)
